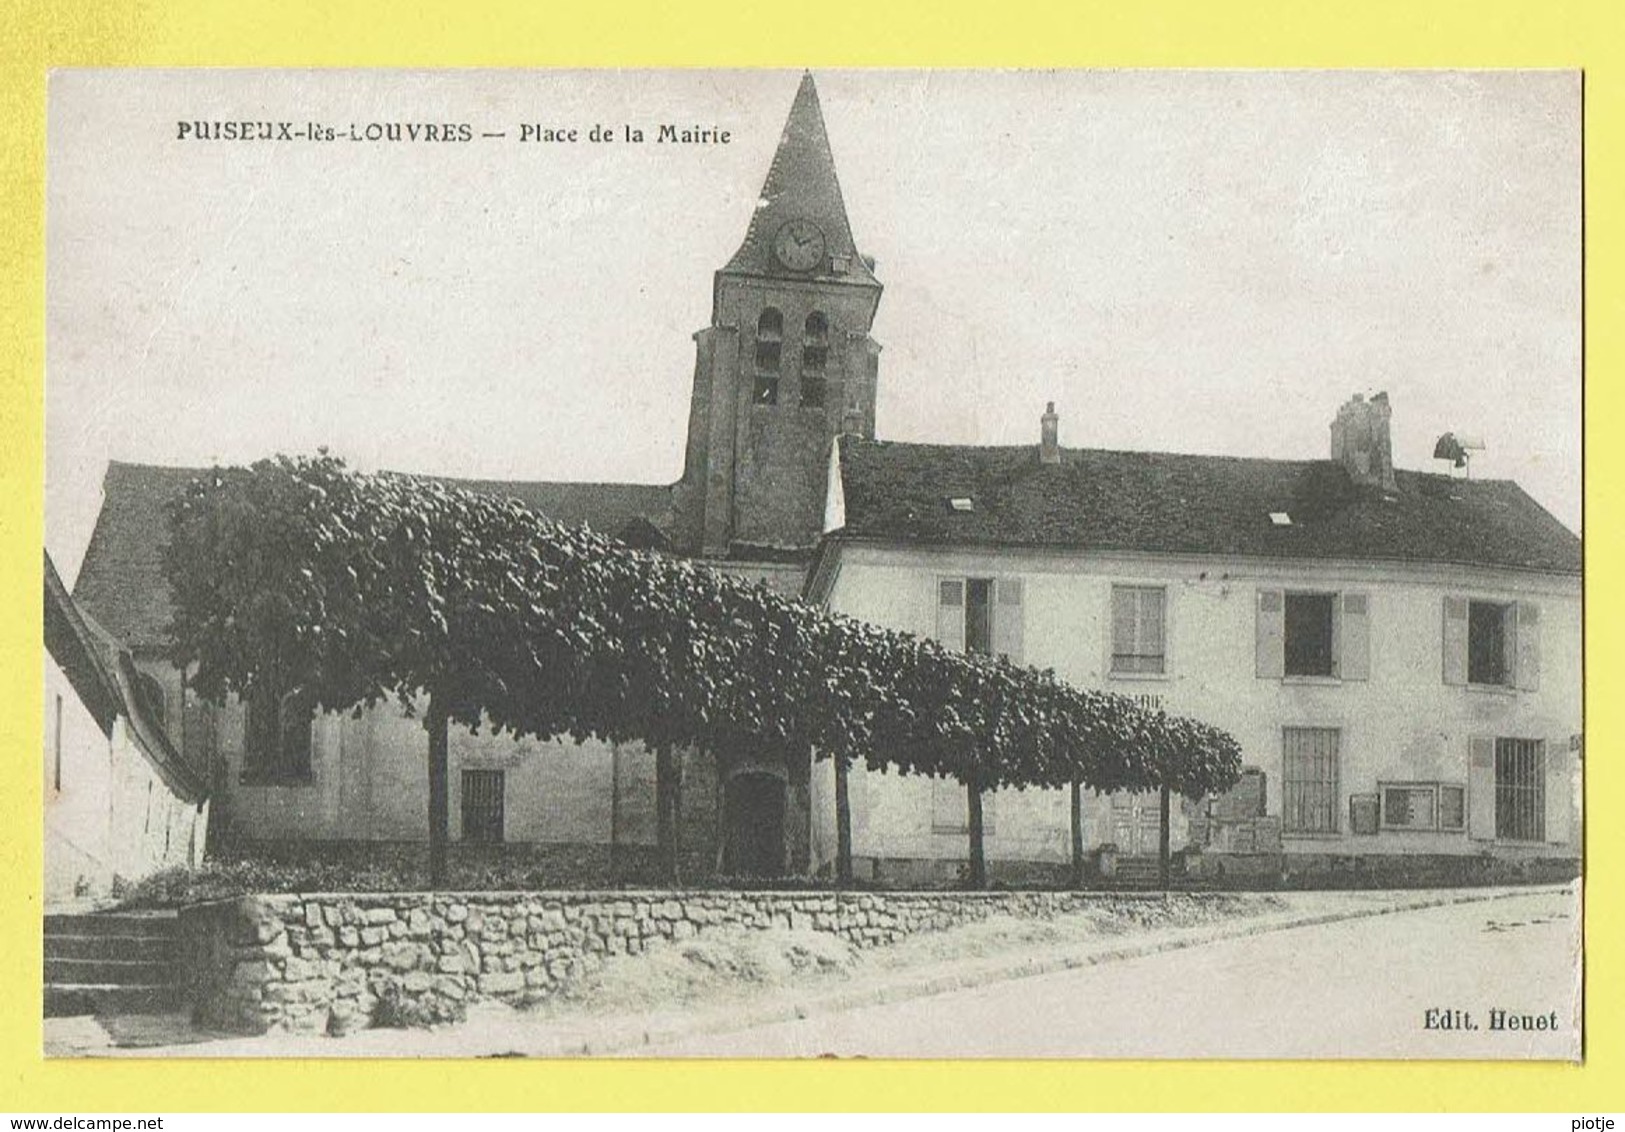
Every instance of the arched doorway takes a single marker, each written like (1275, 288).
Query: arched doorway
(753, 816)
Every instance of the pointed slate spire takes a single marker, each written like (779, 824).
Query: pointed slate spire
(801, 185)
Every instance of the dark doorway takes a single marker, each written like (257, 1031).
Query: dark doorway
(754, 817)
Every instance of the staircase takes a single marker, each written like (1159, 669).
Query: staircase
(110, 963)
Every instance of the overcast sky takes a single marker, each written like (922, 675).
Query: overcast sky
(1187, 261)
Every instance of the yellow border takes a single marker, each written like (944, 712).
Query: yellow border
(832, 33)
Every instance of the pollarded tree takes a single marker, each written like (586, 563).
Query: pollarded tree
(298, 573)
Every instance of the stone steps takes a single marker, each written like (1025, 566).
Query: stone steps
(128, 947)
(110, 963)
(66, 1001)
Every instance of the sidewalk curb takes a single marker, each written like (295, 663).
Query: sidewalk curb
(905, 989)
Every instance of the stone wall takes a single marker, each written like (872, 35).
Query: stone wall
(343, 962)
(1261, 872)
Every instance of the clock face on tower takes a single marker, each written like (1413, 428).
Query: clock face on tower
(799, 245)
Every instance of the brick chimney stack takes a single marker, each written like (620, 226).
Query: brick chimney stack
(1361, 441)
(1049, 444)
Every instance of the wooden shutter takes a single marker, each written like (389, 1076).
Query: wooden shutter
(1154, 625)
(1559, 792)
(951, 613)
(1008, 615)
(1355, 661)
(1455, 640)
(1270, 644)
(1526, 618)
(1124, 617)
(1481, 787)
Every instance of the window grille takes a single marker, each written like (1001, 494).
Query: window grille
(1520, 789)
(482, 806)
(1309, 780)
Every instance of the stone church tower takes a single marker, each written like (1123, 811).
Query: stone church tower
(786, 365)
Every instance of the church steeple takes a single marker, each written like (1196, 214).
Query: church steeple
(787, 363)
(802, 194)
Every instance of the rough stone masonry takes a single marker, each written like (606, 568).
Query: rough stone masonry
(329, 962)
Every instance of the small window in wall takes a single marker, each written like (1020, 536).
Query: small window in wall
(979, 616)
(1488, 631)
(950, 807)
(1137, 629)
(150, 695)
(769, 350)
(814, 358)
(483, 792)
(1309, 779)
(1311, 634)
(1520, 790)
(276, 746)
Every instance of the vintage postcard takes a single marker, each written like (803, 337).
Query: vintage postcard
(925, 564)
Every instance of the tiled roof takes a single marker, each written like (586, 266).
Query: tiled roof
(105, 678)
(1162, 502)
(121, 579)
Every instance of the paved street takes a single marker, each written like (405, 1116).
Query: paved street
(1357, 988)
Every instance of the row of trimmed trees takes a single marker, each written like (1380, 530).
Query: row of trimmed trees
(300, 573)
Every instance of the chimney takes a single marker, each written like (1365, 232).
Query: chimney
(1361, 442)
(1049, 446)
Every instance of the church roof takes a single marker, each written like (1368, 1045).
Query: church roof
(121, 581)
(105, 678)
(802, 185)
(1162, 502)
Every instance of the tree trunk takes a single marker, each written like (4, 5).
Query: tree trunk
(978, 855)
(1162, 839)
(1077, 834)
(843, 825)
(435, 723)
(668, 812)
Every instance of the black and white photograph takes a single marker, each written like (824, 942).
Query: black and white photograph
(830, 563)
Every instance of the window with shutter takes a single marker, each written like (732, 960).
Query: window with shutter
(1310, 628)
(1354, 638)
(1526, 616)
(1008, 627)
(1455, 640)
(1268, 651)
(981, 615)
(1138, 636)
(1491, 628)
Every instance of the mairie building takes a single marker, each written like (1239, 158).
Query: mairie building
(1398, 652)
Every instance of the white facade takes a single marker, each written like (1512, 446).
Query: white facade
(109, 815)
(1396, 718)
